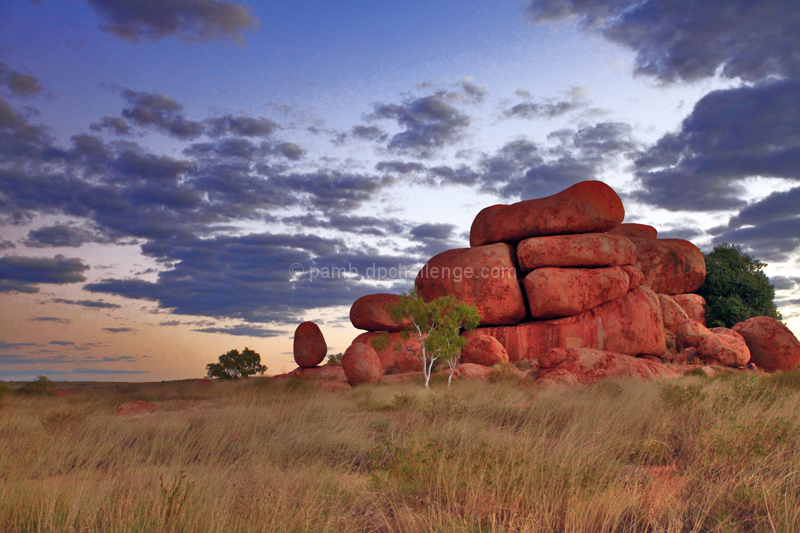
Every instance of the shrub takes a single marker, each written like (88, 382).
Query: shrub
(233, 365)
(39, 386)
(335, 359)
(736, 287)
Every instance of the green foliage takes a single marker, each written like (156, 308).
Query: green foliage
(436, 324)
(233, 365)
(335, 359)
(40, 386)
(736, 287)
(4, 389)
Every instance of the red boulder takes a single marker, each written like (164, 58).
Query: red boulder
(727, 350)
(484, 350)
(361, 364)
(690, 333)
(586, 207)
(554, 292)
(485, 277)
(641, 231)
(394, 359)
(673, 314)
(694, 305)
(309, 345)
(565, 366)
(582, 250)
(371, 313)
(472, 371)
(631, 325)
(772, 345)
(670, 266)
(634, 275)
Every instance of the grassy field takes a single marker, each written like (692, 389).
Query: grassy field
(694, 454)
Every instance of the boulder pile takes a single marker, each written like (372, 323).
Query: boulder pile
(562, 283)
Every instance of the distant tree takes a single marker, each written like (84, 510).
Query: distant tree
(736, 287)
(233, 365)
(39, 386)
(437, 325)
(335, 359)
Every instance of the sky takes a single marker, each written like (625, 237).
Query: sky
(179, 178)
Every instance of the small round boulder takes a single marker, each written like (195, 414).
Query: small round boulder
(361, 364)
(484, 350)
(310, 347)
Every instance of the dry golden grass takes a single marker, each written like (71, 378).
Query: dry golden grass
(694, 454)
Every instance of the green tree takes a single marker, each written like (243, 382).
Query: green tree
(233, 365)
(736, 287)
(437, 325)
(39, 386)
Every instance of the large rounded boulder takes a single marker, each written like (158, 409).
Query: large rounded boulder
(641, 231)
(361, 364)
(485, 277)
(694, 305)
(371, 313)
(310, 347)
(554, 292)
(582, 250)
(727, 350)
(670, 266)
(484, 350)
(583, 366)
(396, 352)
(673, 314)
(690, 333)
(586, 207)
(772, 345)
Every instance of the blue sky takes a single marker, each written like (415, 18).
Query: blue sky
(164, 163)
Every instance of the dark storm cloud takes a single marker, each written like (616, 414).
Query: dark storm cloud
(429, 124)
(784, 283)
(190, 20)
(688, 40)
(730, 135)
(433, 239)
(244, 330)
(433, 231)
(92, 304)
(18, 83)
(22, 274)
(61, 235)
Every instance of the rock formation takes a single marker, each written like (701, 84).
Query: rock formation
(310, 347)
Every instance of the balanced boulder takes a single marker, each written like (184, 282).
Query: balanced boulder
(631, 325)
(371, 313)
(484, 277)
(484, 350)
(694, 305)
(582, 250)
(772, 345)
(727, 350)
(586, 207)
(310, 347)
(670, 266)
(642, 231)
(361, 364)
(573, 366)
(554, 292)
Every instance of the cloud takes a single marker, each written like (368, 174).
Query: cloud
(784, 283)
(21, 274)
(242, 125)
(119, 330)
(189, 20)
(14, 345)
(429, 124)
(244, 330)
(161, 112)
(87, 303)
(7, 245)
(689, 40)
(62, 235)
(107, 371)
(18, 83)
(50, 319)
(61, 343)
(433, 239)
(548, 108)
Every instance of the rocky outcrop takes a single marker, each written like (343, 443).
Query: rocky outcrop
(582, 250)
(670, 266)
(484, 350)
(371, 313)
(310, 347)
(694, 305)
(395, 352)
(641, 231)
(485, 277)
(673, 314)
(573, 366)
(631, 325)
(587, 207)
(772, 345)
(555, 292)
(689, 334)
(725, 349)
(361, 365)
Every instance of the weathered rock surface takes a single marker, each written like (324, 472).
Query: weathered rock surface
(631, 325)
(485, 277)
(694, 305)
(361, 365)
(136, 407)
(641, 231)
(371, 313)
(772, 345)
(635, 276)
(727, 350)
(673, 314)
(472, 371)
(573, 366)
(310, 347)
(670, 266)
(689, 334)
(726, 331)
(586, 207)
(554, 292)
(484, 350)
(392, 358)
(322, 373)
(582, 250)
